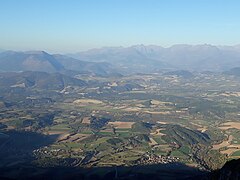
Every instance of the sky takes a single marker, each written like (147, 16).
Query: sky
(76, 25)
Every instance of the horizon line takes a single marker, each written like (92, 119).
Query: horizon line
(110, 47)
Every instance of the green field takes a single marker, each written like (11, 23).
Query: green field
(237, 153)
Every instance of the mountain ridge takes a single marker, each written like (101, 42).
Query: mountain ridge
(127, 60)
(202, 57)
(44, 62)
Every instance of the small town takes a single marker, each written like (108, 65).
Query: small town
(155, 159)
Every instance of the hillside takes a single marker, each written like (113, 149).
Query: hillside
(234, 71)
(29, 61)
(44, 62)
(99, 68)
(40, 80)
(230, 170)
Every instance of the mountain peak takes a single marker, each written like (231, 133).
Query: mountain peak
(29, 61)
(36, 52)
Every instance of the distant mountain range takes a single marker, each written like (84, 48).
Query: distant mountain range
(127, 60)
(134, 59)
(153, 58)
(44, 62)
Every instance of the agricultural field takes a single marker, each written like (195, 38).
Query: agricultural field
(163, 119)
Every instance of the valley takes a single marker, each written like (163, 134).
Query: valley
(139, 119)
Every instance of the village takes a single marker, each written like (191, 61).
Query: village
(148, 159)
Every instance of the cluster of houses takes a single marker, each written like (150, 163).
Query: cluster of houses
(157, 159)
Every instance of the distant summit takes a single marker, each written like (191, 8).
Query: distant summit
(29, 61)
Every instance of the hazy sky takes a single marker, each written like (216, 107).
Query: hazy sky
(74, 25)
